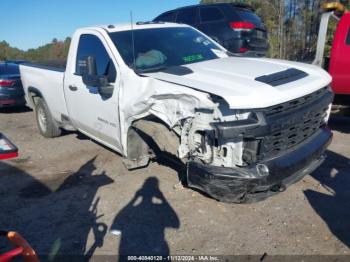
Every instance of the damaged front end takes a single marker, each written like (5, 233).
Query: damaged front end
(246, 156)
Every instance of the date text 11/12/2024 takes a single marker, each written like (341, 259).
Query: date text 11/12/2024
(172, 258)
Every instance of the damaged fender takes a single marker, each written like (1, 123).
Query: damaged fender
(168, 102)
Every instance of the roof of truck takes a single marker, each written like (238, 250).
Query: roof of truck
(139, 25)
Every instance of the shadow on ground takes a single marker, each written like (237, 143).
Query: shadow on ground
(333, 207)
(56, 222)
(142, 222)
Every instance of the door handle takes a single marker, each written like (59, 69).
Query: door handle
(73, 88)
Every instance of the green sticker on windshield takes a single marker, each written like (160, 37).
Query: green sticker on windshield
(193, 58)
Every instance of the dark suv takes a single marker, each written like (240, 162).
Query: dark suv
(234, 26)
(11, 90)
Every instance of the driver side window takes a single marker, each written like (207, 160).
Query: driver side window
(91, 45)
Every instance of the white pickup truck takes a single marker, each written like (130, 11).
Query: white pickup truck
(245, 128)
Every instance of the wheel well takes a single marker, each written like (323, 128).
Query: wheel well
(157, 134)
(146, 139)
(33, 95)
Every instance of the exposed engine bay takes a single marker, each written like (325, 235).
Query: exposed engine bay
(198, 139)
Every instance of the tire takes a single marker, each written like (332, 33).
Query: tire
(46, 124)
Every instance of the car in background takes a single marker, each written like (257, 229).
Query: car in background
(11, 90)
(340, 60)
(233, 25)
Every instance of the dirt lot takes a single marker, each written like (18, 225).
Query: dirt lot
(65, 195)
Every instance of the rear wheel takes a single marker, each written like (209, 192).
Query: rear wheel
(46, 124)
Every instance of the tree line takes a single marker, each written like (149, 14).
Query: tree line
(55, 51)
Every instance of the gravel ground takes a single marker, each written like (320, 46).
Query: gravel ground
(66, 196)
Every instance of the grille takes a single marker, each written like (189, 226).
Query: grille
(296, 103)
(292, 123)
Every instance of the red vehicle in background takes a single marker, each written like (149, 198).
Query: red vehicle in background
(338, 64)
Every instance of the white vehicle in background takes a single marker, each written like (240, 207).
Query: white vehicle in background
(246, 128)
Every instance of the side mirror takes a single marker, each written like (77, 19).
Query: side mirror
(87, 66)
(106, 91)
(89, 73)
(90, 77)
(95, 80)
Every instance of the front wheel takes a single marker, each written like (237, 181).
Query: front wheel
(46, 124)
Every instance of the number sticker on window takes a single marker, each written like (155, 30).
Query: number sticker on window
(193, 58)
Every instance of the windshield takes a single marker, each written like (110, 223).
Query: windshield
(160, 48)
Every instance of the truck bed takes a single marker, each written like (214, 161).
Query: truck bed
(59, 66)
(48, 81)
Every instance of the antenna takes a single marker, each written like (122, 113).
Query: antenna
(132, 40)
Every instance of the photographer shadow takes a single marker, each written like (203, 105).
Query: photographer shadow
(333, 207)
(142, 222)
(56, 222)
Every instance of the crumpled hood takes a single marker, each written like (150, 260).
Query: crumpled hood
(233, 79)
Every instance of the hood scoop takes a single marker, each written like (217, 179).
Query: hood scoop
(283, 77)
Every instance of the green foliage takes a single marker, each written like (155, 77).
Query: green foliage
(54, 51)
(6, 51)
(346, 3)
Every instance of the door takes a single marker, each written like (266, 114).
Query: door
(91, 112)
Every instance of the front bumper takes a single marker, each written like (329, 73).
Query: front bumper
(246, 185)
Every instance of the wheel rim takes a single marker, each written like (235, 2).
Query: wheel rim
(42, 119)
